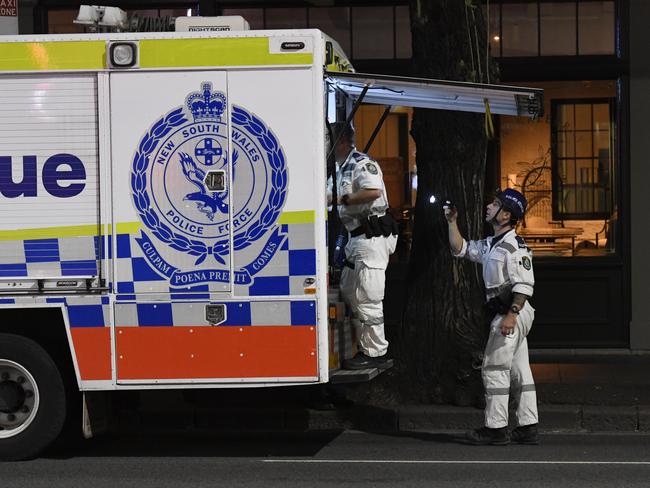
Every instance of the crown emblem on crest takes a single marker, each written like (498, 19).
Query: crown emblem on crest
(206, 104)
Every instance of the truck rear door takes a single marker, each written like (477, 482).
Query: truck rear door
(439, 94)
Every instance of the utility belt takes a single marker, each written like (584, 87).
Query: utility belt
(500, 304)
(375, 226)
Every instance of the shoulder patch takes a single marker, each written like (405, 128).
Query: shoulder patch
(521, 242)
(372, 168)
(525, 262)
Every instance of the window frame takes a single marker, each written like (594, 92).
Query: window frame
(498, 4)
(555, 159)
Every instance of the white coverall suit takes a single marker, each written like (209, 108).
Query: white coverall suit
(507, 267)
(363, 286)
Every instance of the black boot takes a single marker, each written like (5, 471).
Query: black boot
(486, 436)
(526, 434)
(363, 361)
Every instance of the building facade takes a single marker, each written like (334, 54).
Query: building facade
(582, 166)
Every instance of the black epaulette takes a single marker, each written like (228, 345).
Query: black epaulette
(521, 242)
(358, 156)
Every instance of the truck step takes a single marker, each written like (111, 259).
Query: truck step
(338, 376)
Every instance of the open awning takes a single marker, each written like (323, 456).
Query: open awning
(439, 94)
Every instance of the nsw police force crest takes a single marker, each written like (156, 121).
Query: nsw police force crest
(172, 182)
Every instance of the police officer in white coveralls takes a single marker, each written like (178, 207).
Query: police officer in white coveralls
(509, 281)
(363, 209)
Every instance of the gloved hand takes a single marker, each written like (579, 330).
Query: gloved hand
(451, 213)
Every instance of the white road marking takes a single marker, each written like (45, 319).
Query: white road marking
(435, 461)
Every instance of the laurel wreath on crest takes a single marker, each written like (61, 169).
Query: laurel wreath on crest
(195, 247)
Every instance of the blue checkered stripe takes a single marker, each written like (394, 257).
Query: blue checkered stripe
(238, 313)
(283, 275)
(290, 267)
(63, 256)
(94, 311)
(83, 311)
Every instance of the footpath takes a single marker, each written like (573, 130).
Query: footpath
(577, 391)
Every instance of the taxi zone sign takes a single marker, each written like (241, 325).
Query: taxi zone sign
(8, 8)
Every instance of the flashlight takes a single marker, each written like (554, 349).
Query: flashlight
(445, 202)
(448, 205)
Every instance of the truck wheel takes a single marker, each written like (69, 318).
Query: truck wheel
(32, 398)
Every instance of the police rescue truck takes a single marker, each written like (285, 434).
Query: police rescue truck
(163, 212)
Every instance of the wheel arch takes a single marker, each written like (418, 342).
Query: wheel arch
(48, 327)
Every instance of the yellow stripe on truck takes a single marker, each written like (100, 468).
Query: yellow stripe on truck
(42, 56)
(246, 51)
(128, 227)
(300, 217)
(49, 232)
(297, 217)
(154, 53)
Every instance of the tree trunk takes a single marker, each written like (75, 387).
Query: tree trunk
(443, 330)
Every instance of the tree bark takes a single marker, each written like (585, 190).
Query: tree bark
(443, 330)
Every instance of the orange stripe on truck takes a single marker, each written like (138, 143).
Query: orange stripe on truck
(216, 352)
(92, 347)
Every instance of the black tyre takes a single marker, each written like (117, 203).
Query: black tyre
(32, 398)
